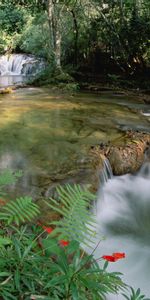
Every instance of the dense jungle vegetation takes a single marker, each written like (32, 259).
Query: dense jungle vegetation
(92, 37)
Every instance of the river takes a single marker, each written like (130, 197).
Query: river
(45, 133)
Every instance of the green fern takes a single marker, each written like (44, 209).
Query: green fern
(7, 178)
(19, 211)
(77, 222)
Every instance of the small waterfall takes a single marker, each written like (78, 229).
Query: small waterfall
(123, 217)
(106, 173)
(20, 64)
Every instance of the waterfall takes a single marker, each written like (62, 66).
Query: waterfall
(123, 217)
(106, 173)
(20, 64)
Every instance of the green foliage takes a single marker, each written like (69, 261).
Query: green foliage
(8, 178)
(79, 277)
(76, 221)
(11, 17)
(69, 87)
(35, 37)
(34, 265)
(135, 295)
(113, 78)
(51, 272)
(19, 211)
(86, 29)
(63, 77)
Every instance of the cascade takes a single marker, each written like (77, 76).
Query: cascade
(20, 64)
(106, 173)
(123, 217)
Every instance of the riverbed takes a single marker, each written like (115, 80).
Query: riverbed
(47, 134)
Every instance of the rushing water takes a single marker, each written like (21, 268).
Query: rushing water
(123, 217)
(15, 68)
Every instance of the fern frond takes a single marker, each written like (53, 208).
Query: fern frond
(8, 177)
(74, 207)
(19, 211)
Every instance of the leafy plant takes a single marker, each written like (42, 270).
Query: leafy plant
(8, 178)
(76, 221)
(19, 211)
(50, 271)
(77, 275)
(40, 265)
(135, 295)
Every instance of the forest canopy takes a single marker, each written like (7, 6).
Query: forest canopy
(79, 32)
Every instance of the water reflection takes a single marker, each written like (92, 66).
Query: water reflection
(47, 134)
(9, 80)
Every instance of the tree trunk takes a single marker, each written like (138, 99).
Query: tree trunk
(55, 33)
(57, 49)
(76, 34)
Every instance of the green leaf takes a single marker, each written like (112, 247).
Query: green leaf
(50, 246)
(5, 241)
(76, 223)
(4, 274)
(17, 280)
(74, 290)
(19, 211)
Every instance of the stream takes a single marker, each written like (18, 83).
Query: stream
(47, 135)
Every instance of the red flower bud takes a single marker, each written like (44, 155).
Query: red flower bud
(47, 229)
(63, 243)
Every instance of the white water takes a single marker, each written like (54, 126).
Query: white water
(123, 216)
(15, 68)
(106, 172)
(19, 64)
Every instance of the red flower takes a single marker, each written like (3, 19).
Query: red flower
(63, 243)
(109, 258)
(114, 257)
(118, 255)
(47, 229)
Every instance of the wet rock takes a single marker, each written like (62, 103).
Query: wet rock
(128, 158)
(7, 90)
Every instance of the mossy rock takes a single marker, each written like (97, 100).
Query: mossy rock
(7, 90)
(63, 77)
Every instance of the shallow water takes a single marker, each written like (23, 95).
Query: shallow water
(42, 132)
(9, 80)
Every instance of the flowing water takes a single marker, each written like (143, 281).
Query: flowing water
(48, 135)
(123, 217)
(15, 68)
